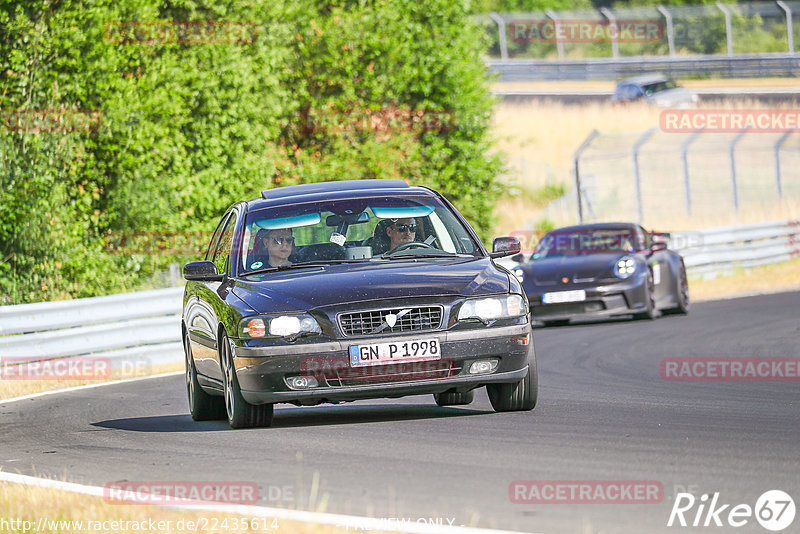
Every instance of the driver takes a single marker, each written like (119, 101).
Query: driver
(400, 232)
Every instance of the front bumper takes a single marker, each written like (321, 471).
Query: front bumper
(261, 371)
(625, 297)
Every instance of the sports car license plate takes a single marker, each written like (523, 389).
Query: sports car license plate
(577, 295)
(406, 351)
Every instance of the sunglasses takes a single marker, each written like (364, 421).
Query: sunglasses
(282, 240)
(406, 228)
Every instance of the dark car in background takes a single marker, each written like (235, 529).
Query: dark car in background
(655, 89)
(346, 316)
(603, 270)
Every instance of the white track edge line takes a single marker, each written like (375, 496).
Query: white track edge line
(86, 386)
(338, 520)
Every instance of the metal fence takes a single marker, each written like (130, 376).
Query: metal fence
(658, 178)
(737, 28)
(142, 327)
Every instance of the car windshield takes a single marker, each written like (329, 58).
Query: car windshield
(659, 87)
(584, 242)
(352, 230)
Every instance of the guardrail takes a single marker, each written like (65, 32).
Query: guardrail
(739, 66)
(145, 326)
(716, 250)
(142, 326)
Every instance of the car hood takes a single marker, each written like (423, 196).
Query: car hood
(314, 287)
(586, 268)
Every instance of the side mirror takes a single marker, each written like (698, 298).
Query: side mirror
(505, 246)
(202, 271)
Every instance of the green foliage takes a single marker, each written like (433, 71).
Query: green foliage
(186, 129)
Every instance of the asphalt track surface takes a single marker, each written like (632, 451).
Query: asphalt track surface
(604, 413)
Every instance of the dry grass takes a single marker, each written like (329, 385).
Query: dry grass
(17, 388)
(767, 279)
(26, 503)
(539, 139)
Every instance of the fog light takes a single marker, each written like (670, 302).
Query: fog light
(483, 366)
(593, 306)
(302, 382)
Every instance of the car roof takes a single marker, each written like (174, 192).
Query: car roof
(644, 79)
(334, 189)
(597, 226)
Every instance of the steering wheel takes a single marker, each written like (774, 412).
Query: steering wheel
(412, 244)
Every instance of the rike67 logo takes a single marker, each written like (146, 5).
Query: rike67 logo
(774, 510)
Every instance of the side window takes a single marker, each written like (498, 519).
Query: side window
(224, 246)
(212, 246)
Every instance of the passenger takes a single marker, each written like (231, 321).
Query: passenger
(279, 245)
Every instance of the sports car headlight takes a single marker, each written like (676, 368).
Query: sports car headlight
(278, 326)
(625, 267)
(519, 274)
(492, 308)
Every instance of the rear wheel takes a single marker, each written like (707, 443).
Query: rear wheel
(241, 414)
(454, 398)
(202, 406)
(520, 396)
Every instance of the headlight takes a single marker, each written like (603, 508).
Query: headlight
(492, 308)
(519, 274)
(625, 267)
(278, 326)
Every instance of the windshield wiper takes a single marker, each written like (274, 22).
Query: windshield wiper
(302, 265)
(421, 255)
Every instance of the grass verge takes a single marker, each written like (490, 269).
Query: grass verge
(33, 509)
(784, 276)
(17, 388)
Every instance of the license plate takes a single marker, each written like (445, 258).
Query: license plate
(405, 351)
(577, 295)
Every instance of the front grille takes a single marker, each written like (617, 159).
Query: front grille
(388, 373)
(374, 322)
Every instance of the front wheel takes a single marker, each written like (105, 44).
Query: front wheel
(454, 398)
(650, 300)
(202, 406)
(517, 397)
(683, 292)
(241, 414)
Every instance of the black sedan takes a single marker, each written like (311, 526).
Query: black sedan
(348, 290)
(603, 270)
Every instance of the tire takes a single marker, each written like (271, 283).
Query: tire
(557, 322)
(515, 397)
(202, 406)
(651, 312)
(684, 302)
(240, 413)
(454, 398)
